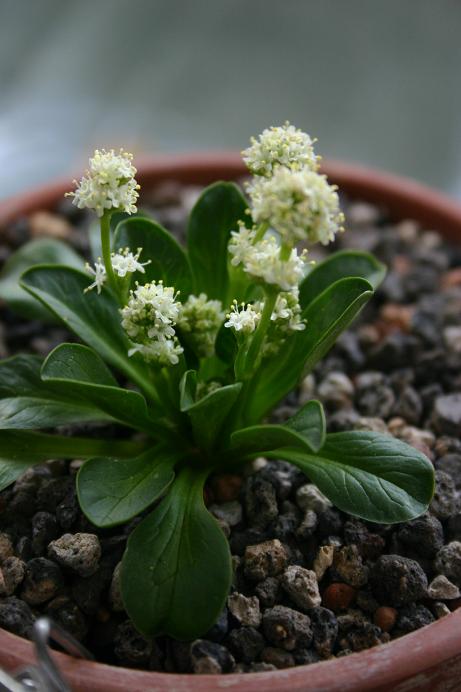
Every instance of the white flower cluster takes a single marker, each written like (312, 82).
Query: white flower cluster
(123, 262)
(244, 318)
(199, 320)
(262, 259)
(287, 312)
(149, 320)
(108, 184)
(285, 146)
(285, 319)
(299, 205)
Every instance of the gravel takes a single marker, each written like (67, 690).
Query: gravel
(310, 582)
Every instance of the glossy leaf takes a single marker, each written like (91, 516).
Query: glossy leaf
(112, 491)
(326, 317)
(374, 477)
(176, 571)
(27, 402)
(20, 449)
(78, 373)
(94, 318)
(305, 430)
(208, 414)
(214, 216)
(168, 261)
(309, 422)
(41, 251)
(340, 265)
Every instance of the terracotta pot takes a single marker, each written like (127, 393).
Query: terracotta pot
(428, 660)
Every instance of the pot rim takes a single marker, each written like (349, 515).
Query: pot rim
(372, 669)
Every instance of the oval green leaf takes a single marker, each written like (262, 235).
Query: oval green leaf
(340, 265)
(176, 571)
(216, 213)
(168, 261)
(41, 251)
(94, 318)
(375, 477)
(113, 491)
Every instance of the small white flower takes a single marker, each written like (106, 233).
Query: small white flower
(149, 320)
(262, 260)
(287, 312)
(163, 352)
(99, 273)
(240, 244)
(285, 146)
(299, 205)
(124, 262)
(243, 318)
(108, 184)
(200, 319)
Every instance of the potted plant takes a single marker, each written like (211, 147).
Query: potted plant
(244, 363)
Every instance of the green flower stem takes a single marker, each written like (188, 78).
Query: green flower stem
(106, 252)
(260, 231)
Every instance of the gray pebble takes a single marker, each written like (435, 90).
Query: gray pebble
(348, 564)
(287, 628)
(245, 609)
(445, 502)
(79, 552)
(264, 560)
(301, 586)
(12, 573)
(446, 415)
(209, 658)
(397, 580)
(442, 589)
(309, 497)
(230, 512)
(448, 561)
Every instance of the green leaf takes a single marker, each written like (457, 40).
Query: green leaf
(214, 216)
(326, 317)
(42, 251)
(27, 402)
(113, 491)
(208, 414)
(305, 431)
(187, 390)
(94, 318)
(78, 373)
(374, 477)
(262, 439)
(168, 261)
(176, 571)
(340, 265)
(20, 450)
(309, 422)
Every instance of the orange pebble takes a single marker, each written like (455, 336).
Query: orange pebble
(338, 596)
(385, 618)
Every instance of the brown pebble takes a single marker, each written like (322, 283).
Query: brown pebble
(43, 224)
(338, 596)
(226, 487)
(451, 278)
(385, 618)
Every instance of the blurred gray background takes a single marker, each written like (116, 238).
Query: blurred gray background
(377, 81)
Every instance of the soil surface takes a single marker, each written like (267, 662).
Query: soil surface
(311, 582)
